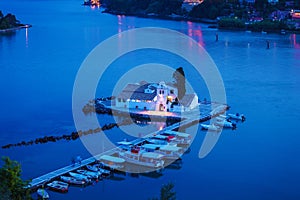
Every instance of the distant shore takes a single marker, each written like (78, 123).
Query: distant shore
(166, 17)
(213, 23)
(8, 30)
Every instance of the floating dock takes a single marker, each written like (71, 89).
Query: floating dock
(208, 110)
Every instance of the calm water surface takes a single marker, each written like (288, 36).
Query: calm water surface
(38, 67)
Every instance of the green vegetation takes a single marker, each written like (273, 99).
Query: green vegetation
(209, 9)
(233, 23)
(265, 25)
(159, 7)
(8, 21)
(268, 25)
(12, 187)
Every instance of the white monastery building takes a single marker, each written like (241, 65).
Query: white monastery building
(155, 97)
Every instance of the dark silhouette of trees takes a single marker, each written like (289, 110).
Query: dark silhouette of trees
(11, 184)
(8, 21)
(159, 7)
(179, 77)
(167, 193)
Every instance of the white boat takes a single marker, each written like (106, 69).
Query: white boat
(104, 172)
(226, 124)
(80, 177)
(89, 174)
(179, 138)
(72, 180)
(92, 168)
(148, 159)
(156, 141)
(42, 193)
(210, 127)
(97, 168)
(58, 186)
(221, 117)
(237, 116)
(112, 162)
(168, 151)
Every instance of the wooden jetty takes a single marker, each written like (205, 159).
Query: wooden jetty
(188, 119)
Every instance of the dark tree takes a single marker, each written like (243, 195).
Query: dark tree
(167, 193)
(179, 77)
(11, 185)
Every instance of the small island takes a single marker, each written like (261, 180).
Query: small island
(10, 23)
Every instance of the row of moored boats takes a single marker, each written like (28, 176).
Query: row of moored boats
(155, 152)
(223, 121)
(83, 176)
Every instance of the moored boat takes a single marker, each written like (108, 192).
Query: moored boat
(58, 186)
(72, 180)
(42, 193)
(112, 162)
(237, 116)
(210, 127)
(80, 177)
(168, 151)
(89, 174)
(178, 138)
(226, 124)
(148, 159)
(92, 168)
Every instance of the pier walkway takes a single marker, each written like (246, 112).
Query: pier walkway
(206, 113)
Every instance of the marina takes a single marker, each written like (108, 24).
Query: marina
(150, 159)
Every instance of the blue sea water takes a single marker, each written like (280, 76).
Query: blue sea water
(38, 66)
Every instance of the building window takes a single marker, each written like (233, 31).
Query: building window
(145, 108)
(119, 99)
(163, 92)
(136, 107)
(172, 91)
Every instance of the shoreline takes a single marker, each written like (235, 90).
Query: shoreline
(266, 31)
(8, 30)
(213, 23)
(163, 17)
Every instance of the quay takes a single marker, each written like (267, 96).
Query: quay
(207, 111)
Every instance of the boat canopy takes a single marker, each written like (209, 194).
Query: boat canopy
(160, 137)
(112, 159)
(179, 134)
(152, 155)
(125, 143)
(170, 148)
(151, 146)
(185, 135)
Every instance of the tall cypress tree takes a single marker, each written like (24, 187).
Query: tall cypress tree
(179, 77)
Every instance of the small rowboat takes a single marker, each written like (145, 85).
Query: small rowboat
(103, 172)
(72, 180)
(58, 186)
(42, 193)
(92, 168)
(80, 177)
(237, 116)
(210, 127)
(226, 124)
(89, 174)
